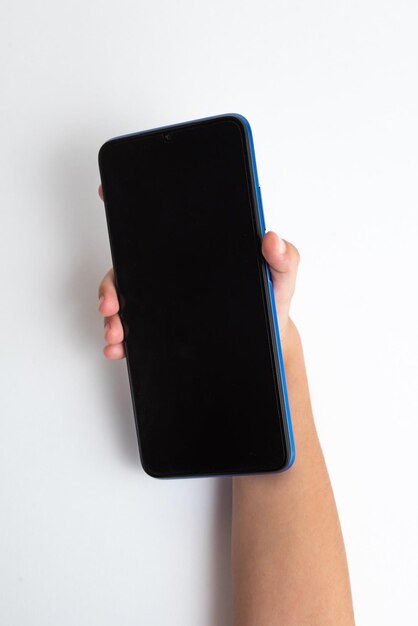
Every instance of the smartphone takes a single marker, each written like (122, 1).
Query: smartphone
(185, 223)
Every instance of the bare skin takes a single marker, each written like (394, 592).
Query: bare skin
(288, 558)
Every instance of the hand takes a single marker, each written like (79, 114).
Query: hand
(282, 257)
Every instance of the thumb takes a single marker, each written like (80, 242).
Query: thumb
(283, 260)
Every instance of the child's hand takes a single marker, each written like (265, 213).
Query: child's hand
(282, 257)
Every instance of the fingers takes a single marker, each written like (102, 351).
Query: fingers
(114, 352)
(113, 330)
(109, 307)
(108, 299)
(283, 260)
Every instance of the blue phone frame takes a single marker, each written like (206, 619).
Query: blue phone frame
(260, 208)
(287, 427)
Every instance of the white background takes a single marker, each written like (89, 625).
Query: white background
(330, 89)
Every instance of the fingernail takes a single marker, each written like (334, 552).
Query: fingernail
(282, 246)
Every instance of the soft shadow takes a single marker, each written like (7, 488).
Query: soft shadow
(116, 384)
(221, 587)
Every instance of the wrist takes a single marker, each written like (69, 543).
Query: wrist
(290, 341)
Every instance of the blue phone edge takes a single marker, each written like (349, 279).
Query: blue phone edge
(272, 301)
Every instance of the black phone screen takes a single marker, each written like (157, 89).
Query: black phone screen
(186, 247)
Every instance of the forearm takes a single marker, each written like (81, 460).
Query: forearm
(289, 563)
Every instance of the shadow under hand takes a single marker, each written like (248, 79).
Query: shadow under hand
(221, 587)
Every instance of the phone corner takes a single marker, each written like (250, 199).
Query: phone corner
(102, 150)
(242, 121)
(288, 461)
(150, 472)
(289, 437)
(290, 458)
